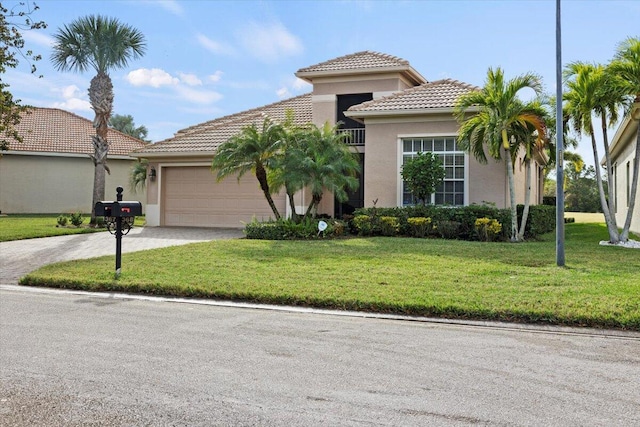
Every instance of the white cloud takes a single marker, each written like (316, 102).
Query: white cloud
(190, 79)
(203, 97)
(73, 101)
(215, 77)
(171, 6)
(38, 38)
(73, 104)
(300, 85)
(293, 85)
(154, 77)
(283, 93)
(269, 42)
(214, 46)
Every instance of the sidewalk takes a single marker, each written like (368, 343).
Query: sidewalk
(19, 257)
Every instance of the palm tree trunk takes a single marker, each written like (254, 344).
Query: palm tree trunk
(607, 156)
(527, 199)
(315, 201)
(634, 190)
(292, 204)
(611, 227)
(261, 175)
(512, 187)
(101, 97)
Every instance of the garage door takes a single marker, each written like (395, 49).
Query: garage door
(193, 198)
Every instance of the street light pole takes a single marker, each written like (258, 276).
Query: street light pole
(559, 145)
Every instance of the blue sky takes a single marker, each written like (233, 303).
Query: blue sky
(206, 59)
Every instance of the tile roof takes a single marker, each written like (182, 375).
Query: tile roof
(51, 130)
(365, 59)
(365, 62)
(438, 94)
(206, 137)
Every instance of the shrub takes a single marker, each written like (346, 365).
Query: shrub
(389, 225)
(487, 229)
(448, 229)
(419, 225)
(363, 225)
(62, 220)
(291, 230)
(76, 219)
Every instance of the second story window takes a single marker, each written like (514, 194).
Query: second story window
(354, 128)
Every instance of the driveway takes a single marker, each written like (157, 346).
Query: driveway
(20, 257)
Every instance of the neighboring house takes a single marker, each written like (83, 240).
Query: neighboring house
(392, 113)
(51, 172)
(623, 150)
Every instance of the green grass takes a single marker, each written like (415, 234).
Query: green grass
(600, 286)
(20, 227)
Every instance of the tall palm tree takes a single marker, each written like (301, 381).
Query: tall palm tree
(527, 141)
(589, 91)
(254, 150)
(499, 115)
(103, 44)
(626, 65)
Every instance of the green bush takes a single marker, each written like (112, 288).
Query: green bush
(419, 226)
(76, 219)
(62, 220)
(448, 229)
(291, 230)
(389, 225)
(541, 220)
(487, 229)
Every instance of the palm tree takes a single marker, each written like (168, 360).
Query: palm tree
(328, 164)
(287, 170)
(499, 114)
(138, 175)
(103, 44)
(590, 90)
(252, 150)
(626, 65)
(526, 139)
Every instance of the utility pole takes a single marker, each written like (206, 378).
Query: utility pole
(559, 145)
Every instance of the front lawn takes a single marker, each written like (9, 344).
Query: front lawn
(20, 227)
(600, 286)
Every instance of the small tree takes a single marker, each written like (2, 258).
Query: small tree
(422, 174)
(126, 125)
(12, 23)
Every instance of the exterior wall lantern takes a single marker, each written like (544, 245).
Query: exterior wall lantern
(152, 174)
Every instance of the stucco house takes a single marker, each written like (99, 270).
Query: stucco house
(391, 111)
(623, 153)
(51, 172)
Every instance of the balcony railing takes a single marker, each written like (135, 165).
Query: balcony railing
(356, 136)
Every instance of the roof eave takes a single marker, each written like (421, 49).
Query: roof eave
(167, 154)
(414, 76)
(403, 112)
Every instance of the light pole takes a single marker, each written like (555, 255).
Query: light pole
(559, 146)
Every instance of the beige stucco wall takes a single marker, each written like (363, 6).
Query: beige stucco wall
(56, 184)
(485, 183)
(359, 84)
(625, 155)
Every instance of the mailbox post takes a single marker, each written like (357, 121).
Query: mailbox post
(119, 217)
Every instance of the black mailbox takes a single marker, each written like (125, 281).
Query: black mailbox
(118, 209)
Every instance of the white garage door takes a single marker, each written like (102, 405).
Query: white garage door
(193, 198)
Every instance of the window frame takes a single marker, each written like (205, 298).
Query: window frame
(401, 153)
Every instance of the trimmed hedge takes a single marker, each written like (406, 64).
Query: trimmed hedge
(446, 222)
(290, 230)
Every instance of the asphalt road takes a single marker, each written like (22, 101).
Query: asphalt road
(72, 360)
